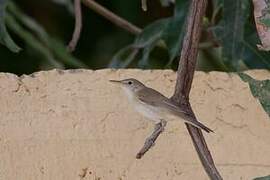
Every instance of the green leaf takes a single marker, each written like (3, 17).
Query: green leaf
(31, 41)
(123, 58)
(235, 14)
(143, 62)
(265, 22)
(5, 38)
(218, 3)
(253, 57)
(151, 33)
(61, 53)
(260, 90)
(263, 178)
(35, 36)
(149, 38)
(166, 33)
(173, 34)
(217, 6)
(67, 4)
(265, 14)
(238, 37)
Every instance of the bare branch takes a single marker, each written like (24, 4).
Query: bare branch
(150, 141)
(185, 75)
(112, 17)
(78, 26)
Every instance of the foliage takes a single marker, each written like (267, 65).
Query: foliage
(263, 178)
(265, 18)
(161, 31)
(5, 38)
(260, 90)
(228, 42)
(35, 36)
(230, 25)
(66, 3)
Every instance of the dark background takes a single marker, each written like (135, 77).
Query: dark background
(101, 40)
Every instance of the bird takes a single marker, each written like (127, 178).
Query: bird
(154, 105)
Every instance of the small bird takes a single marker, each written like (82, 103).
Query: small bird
(154, 105)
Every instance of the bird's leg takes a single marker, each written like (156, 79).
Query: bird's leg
(150, 141)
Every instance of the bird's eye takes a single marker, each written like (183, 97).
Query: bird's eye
(129, 82)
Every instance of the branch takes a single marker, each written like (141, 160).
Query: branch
(185, 75)
(78, 26)
(112, 17)
(150, 141)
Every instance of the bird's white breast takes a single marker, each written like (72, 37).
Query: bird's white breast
(130, 94)
(147, 111)
(144, 109)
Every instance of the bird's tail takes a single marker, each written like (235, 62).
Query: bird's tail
(200, 126)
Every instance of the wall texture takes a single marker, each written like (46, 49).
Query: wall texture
(68, 125)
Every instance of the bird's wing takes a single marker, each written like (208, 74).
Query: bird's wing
(174, 108)
(152, 97)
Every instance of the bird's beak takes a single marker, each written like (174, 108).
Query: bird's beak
(115, 81)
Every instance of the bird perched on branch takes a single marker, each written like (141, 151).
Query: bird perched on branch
(155, 106)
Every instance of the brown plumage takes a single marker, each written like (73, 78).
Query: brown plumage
(164, 105)
(155, 105)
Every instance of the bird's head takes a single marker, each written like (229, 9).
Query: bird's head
(131, 84)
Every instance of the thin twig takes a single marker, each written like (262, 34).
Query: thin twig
(78, 26)
(185, 75)
(112, 17)
(150, 141)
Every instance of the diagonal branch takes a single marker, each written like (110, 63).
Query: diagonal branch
(185, 75)
(78, 26)
(150, 141)
(115, 19)
(112, 17)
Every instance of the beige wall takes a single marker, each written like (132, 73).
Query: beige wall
(68, 125)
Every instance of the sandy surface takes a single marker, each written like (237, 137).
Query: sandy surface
(72, 125)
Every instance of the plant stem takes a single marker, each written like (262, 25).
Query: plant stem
(78, 26)
(115, 19)
(186, 69)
